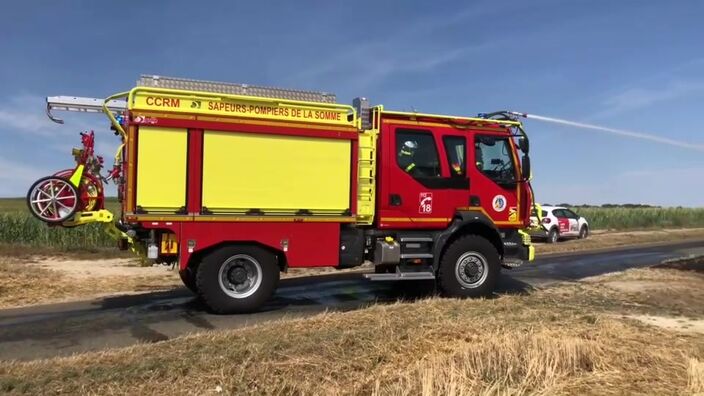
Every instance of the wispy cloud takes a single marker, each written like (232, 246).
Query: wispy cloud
(642, 97)
(11, 170)
(406, 50)
(26, 114)
(679, 81)
(369, 64)
(16, 177)
(691, 173)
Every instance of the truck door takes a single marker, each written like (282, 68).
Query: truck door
(455, 148)
(494, 179)
(416, 182)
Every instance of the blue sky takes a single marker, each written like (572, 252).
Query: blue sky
(636, 65)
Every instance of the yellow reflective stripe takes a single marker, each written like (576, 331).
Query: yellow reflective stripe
(410, 167)
(414, 115)
(445, 124)
(414, 219)
(77, 176)
(219, 104)
(242, 219)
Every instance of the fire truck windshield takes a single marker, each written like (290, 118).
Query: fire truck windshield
(493, 158)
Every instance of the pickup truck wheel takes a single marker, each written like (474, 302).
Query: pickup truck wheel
(553, 235)
(469, 267)
(237, 279)
(583, 232)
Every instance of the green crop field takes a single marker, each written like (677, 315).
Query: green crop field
(19, 227)
(642, 218)
(19, 205)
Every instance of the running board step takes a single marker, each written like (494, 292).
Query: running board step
(416, 255)
(415, 239)
(400, 276)
(512, 263)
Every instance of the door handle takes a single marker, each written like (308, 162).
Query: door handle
(395, 200)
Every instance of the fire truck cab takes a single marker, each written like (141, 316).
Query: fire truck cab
(238, 183)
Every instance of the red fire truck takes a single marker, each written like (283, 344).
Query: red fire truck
(237, 183)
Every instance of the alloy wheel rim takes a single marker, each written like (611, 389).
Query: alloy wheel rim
(53, 200)
(240, 276)
(471, 270)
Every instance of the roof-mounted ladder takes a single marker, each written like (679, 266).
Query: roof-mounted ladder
(94, 105)
(187, 84)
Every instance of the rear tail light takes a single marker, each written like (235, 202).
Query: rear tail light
(546, 220)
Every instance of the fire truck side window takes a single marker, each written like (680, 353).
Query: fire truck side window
(455, 149)
(416, 153)
(493, 158)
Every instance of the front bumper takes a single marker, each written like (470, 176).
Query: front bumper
(537, 232)
(518, 247)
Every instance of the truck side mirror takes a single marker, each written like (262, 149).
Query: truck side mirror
(525, 167)
(523, 144)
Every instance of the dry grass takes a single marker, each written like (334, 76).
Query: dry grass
(25, 252)
(25, 282)
(507, 363)
(571, 339)
(695, 375)
(675, 289)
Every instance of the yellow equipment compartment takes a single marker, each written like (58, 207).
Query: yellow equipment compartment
(161, 169)
(276, 174)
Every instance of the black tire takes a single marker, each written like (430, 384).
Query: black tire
(188, 277)
(470, 252)
(553, 235)
(584, 232)
(238, 264)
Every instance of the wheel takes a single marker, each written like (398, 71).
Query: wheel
(90, 190)
(52, 199)
(237, 279)
(583, 232)
(188, 277)
(469, 267)
(553, 235)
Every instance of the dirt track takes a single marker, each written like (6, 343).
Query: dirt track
(43, 279)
